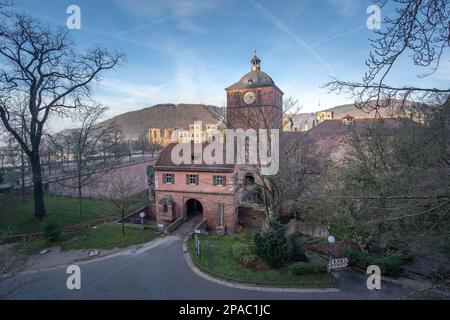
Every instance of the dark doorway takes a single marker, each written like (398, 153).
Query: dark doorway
(193, 208)
(249, 179)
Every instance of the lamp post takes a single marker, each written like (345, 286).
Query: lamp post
(142, 215)
(331, 239)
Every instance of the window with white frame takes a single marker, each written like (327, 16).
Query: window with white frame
(168, 178)
(192, 179)
(219, 180)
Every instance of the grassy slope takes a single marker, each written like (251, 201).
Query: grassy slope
(17, 217)
(106, 236)
(224, 266)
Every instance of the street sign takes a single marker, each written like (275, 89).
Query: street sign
(339, 263)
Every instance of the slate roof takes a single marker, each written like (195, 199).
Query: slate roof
(253, 79)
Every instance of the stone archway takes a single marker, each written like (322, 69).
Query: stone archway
(249, 179)
(193, 208)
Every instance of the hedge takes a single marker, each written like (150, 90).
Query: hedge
(389, 265)
(303, 268)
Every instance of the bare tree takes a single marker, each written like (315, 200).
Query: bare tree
(4, 4)
(122, 193)
(142, 144)
(83, 144)
(60, 149)
(42, 69)
(16, 154)
(419, 30)
(47, 151)
(3, 158)
(118, 144)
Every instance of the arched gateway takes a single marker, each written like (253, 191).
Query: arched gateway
(193, 208)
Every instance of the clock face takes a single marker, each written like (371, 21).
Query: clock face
(249, 97)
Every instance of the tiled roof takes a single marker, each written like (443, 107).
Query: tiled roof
(165, 161)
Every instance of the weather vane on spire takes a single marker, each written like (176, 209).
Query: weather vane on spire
(256, 62)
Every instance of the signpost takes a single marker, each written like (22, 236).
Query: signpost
(142, 216)
(331, 240)
(337, 264)
(197, 247)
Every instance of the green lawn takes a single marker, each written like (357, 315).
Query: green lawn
(106, 236)
(224, 266)
(17, 217)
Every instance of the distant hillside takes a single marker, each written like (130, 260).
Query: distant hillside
(303, 120)
(350, 109)
(162, 116)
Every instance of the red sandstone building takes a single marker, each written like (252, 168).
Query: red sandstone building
(215, 191)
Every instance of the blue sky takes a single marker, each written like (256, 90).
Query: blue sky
(189, 51)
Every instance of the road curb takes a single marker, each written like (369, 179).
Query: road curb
(236, 285)
(130, 250)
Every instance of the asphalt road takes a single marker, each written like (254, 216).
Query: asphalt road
(159, 271)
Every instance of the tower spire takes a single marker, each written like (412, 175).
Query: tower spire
(255, 62)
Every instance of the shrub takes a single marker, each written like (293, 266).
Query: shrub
(52, 230)
(243, 254)
(241, 234)
(271, 244)
(303, 268)
(389, 265)
(294, 250)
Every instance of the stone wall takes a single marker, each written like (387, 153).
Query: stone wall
(99, 189)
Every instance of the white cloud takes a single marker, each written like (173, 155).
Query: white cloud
(191, 84)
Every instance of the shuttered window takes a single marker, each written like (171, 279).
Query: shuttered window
(192, 179)
(219, 180)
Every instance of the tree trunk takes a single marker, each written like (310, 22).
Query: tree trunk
(80, 202)
(38, 190)
(62, 162)
(22, 174)
(79, 192)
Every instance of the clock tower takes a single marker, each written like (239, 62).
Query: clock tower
(254, 101)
